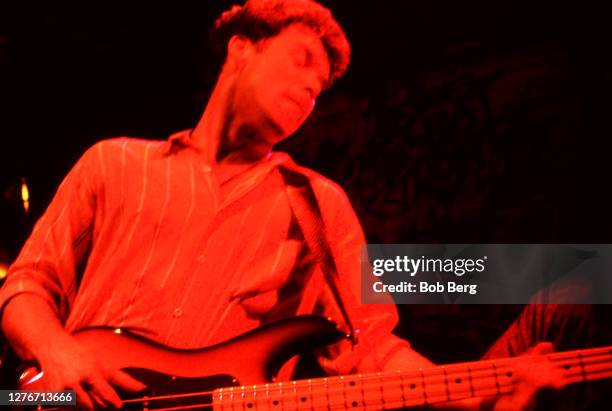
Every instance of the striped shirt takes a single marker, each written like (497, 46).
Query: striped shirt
(141, 235)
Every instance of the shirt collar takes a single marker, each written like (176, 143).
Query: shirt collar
(182, 139)
(177, 141)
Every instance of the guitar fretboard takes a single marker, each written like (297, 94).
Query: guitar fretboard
(392, 390)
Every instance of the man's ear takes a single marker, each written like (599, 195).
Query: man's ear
(239, 50)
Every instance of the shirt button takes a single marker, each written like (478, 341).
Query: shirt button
(177, 312)
(206, 168)
(201, 258)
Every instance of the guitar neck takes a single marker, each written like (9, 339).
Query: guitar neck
(404, 389)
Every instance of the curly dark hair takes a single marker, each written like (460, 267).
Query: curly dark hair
(260, 19)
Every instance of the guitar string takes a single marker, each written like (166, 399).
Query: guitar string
(485, 374)
(432, 385)
(431, 394)
(433, 397)
(455, 368)
(365, 378)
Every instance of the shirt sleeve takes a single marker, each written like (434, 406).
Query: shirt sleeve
(377, 348)
(46, 265)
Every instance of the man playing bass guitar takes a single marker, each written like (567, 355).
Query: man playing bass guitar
(195, 240)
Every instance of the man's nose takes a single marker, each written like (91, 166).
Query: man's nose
(312, 86)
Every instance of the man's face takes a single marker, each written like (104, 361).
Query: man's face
(281, 79)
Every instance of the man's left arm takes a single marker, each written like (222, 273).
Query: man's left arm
(378, 349)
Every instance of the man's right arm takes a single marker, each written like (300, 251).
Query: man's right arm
(40, 288)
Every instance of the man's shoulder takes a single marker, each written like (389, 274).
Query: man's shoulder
(123, 148)
(128, 144)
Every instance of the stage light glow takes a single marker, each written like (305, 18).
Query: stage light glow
(25, 196)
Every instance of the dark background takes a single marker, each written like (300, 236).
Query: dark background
(459, 122)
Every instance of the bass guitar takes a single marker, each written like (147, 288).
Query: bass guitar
(238, 375)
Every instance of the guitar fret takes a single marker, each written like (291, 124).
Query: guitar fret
(363, 399)
(496, 378)
(423, 386)
(581, 357)
(311, 398)
(471, 382)
(255, 405)
(402, 388)
(446, 383)
(381, 389)
(343, 388)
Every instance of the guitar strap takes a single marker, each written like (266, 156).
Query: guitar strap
(306, 210)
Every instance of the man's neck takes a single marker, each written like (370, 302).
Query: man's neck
(223, 136)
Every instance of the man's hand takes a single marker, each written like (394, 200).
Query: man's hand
(35, 333)
(70, 367)
(530, 377)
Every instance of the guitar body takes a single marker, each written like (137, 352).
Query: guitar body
(251, 358)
